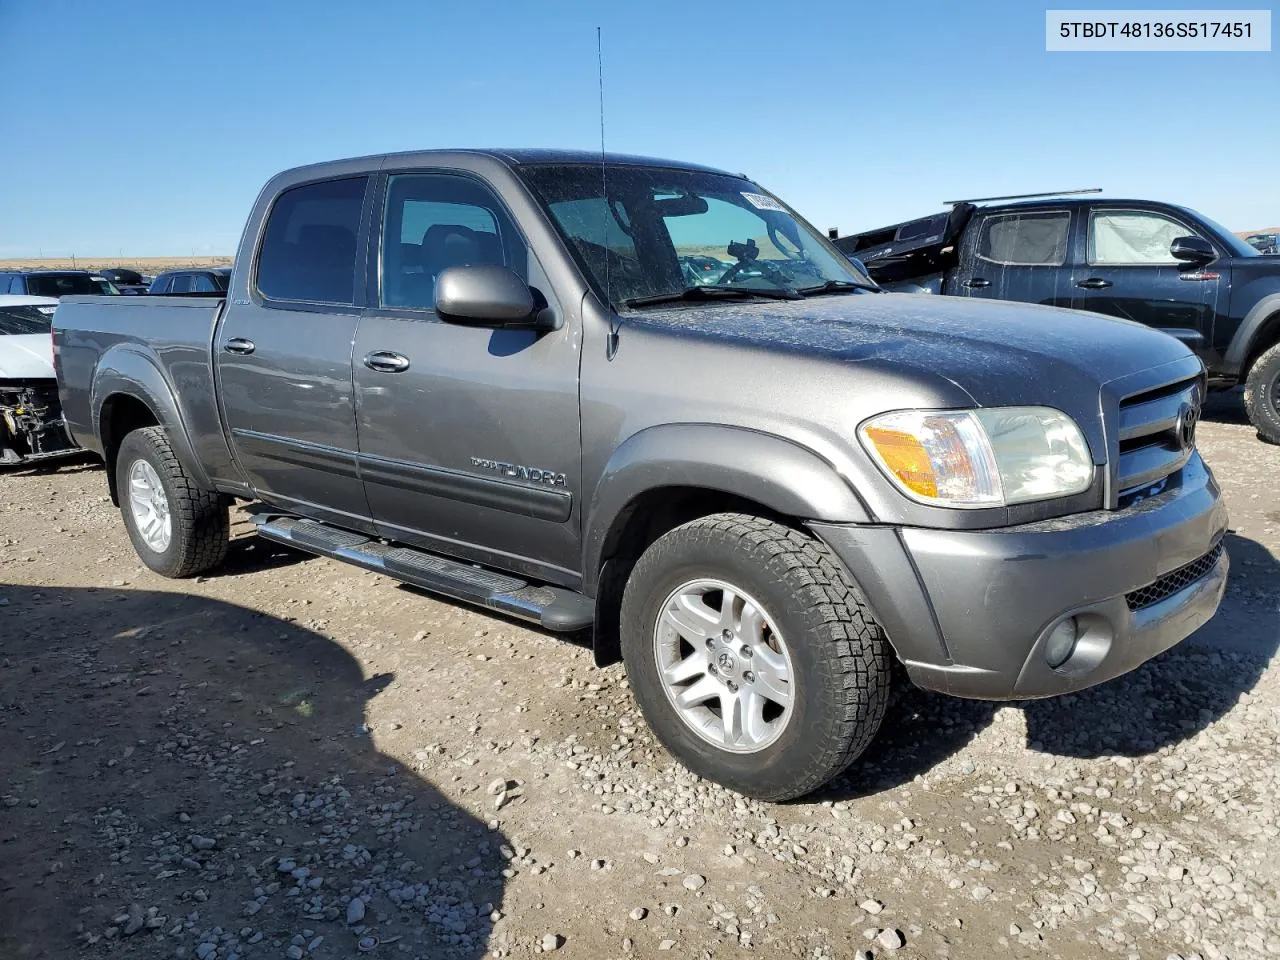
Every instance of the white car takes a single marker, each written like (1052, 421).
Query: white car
(31, 424)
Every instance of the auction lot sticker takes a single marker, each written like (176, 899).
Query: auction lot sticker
(1120, 31)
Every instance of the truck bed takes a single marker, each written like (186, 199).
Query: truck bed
(152, 343)
(912, 255)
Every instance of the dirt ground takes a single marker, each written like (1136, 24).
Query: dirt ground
(295, 758)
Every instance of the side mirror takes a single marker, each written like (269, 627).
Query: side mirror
(490, 296)
(1193, 250)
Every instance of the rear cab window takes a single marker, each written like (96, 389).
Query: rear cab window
(308, 249)
(1031, 239)
(61, 285)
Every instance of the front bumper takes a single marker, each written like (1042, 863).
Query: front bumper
(969, 612)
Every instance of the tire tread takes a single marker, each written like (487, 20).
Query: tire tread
(202, 523)
(857, 655)
(1262, 413)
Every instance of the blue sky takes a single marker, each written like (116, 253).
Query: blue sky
(147, 128)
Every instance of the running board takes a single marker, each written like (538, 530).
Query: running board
(553, 608)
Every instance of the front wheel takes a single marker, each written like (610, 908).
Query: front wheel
(752, 655)
(178, 529)
(1262, 395)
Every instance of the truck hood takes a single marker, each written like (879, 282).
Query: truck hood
(26, 357)
(999, 353)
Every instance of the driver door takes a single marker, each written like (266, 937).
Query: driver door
(1128, 272)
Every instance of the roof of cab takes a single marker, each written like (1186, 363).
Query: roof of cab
(510, 157)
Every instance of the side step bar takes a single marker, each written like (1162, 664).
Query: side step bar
(553, 608)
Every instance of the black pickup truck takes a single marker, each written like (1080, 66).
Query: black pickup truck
(1156, 263)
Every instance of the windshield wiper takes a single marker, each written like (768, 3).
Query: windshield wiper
(712, 292)
(839, 286)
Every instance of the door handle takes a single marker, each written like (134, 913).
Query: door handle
(239, 345)
(1094, 283)
(384, 361)
(976, 282)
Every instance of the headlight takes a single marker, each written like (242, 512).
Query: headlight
(980, 458)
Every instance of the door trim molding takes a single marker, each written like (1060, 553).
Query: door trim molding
(298, 453)
(539, 503)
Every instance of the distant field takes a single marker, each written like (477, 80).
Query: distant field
(141, 264)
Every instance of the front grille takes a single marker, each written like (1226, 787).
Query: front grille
(1173, 581)
(1156, 433)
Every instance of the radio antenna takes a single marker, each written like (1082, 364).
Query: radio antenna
(611, 347)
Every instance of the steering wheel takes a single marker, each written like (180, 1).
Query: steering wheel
(767, 268)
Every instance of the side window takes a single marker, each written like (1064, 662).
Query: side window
(1133, 237)
(200, 283)
(181, 283)
(1025, 239)
(435, 221)
(308, 248)
(162, 284)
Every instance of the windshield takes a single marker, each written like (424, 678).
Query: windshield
(21, 319)
(61, 284)
(664, 231)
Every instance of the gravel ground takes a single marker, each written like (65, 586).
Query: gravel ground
(297, 759)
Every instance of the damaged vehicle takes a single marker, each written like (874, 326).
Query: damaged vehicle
(485, 374)
(1154, 263)
(31, 424)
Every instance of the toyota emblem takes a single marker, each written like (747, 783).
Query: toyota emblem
(1188, 417)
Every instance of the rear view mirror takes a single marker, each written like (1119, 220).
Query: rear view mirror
(489, 296)
(1194, 250)
(859, 266)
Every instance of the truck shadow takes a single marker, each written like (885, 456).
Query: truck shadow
(1164, 702)
(71, 463)
(1225, 406)
(176, 771)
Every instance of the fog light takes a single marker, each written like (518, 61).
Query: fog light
(1062, 642)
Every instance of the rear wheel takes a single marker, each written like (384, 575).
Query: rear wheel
(752, 655)
(178, 529)
(1262, 395)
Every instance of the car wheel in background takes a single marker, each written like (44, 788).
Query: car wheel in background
(1262, 395)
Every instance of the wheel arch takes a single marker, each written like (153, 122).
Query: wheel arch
(130, 392)
(667, 476)
(1258, 331)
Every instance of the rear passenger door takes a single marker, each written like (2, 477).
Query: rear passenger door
(469, 437)
(284, 354)
(1017, 255)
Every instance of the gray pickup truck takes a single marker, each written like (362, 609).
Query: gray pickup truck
(647, 399)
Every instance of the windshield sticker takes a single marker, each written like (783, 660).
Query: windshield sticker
(761, 202)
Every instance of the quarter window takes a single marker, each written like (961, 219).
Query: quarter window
(1132, 237)
(1025, 239)
(436, 221)
(309, 246)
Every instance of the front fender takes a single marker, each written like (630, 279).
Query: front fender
(770, 470)
(1241, 341)
(125, 370)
